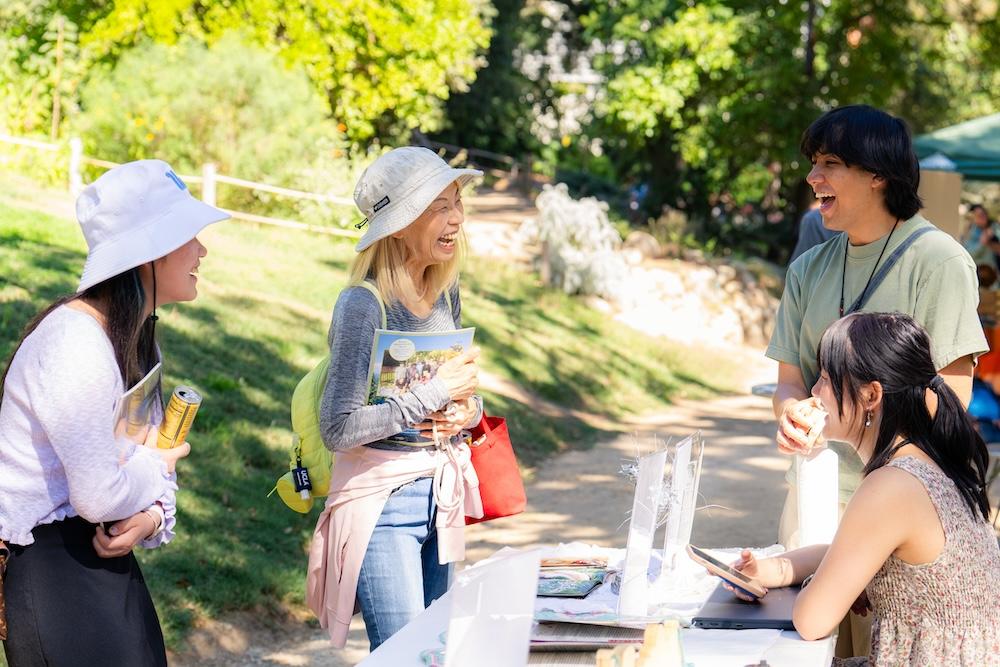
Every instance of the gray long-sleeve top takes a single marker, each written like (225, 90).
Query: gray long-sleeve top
(346, 420)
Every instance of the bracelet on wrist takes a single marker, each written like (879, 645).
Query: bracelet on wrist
(156, 524)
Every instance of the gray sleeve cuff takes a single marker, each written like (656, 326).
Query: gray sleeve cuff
(476, 418)
(433, 395)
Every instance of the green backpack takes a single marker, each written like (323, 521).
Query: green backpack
(310, 462)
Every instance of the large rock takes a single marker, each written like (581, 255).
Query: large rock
(700, 303)
(644, 243)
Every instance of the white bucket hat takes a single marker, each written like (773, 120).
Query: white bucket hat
(135, 213)
(395, 189)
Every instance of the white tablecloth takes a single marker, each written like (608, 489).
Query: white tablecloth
(702, 648)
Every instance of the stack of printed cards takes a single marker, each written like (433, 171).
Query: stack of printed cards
(570, 577)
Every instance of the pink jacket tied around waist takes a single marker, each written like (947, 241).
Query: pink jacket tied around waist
(362, 480)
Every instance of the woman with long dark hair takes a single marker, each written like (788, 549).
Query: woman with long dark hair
(78, 491)
(915, 543)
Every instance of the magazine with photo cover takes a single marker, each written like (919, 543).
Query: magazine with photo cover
(139, 407)
(402, 360)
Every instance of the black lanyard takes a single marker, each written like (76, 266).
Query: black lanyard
(843, 275)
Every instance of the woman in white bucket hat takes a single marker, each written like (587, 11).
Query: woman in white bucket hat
(76, 493)
(394, 518)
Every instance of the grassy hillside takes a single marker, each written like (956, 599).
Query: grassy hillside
(260, 324)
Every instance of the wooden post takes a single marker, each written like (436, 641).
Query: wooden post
(208, 183)
(75, 177)
(57, 83)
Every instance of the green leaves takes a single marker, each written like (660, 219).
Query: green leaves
(232, 104)
(706, 101)
(384, 68)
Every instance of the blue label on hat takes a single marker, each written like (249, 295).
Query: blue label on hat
(381, 204)
(177, 181)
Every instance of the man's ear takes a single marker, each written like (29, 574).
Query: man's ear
(878, 182)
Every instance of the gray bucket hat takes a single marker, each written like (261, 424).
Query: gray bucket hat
(395, 189)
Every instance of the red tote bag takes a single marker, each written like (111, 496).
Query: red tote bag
(500, 485)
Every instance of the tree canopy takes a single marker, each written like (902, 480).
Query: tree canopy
(699, 106)
(385, 68)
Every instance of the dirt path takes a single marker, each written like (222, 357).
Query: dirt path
(578, 495)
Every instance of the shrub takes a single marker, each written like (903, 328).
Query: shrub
(232, 104)
(580, 244)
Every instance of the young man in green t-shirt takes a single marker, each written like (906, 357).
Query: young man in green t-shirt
(865, 175)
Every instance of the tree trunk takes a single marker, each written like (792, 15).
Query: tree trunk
(57, 83)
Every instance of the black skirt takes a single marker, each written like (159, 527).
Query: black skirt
(68, 606)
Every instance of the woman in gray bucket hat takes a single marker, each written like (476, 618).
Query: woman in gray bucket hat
(78, 488)
(395, 515)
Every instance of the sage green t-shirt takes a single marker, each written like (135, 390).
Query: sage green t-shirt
(934, 281)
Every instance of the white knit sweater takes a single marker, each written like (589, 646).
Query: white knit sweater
(59, 456)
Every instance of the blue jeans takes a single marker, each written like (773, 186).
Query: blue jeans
(400, 575)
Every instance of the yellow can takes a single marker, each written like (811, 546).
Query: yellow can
(177, 417)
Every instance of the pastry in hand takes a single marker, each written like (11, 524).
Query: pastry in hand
(812, 417)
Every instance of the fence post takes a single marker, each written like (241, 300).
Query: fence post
(208, 183)
(75, 177)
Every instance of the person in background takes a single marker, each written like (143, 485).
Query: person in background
(395, 515)
(866, 175)
(915, 544)
(76, 496)
(811, 232)
(982, 238)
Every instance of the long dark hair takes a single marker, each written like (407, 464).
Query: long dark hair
(132, 336)
(895, 351)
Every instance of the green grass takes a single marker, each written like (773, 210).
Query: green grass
(260, 324)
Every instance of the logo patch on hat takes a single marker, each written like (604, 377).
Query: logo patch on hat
(176, 179)
(382, 203)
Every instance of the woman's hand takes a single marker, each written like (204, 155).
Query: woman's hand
(749, 566)
(460, 374)
(768, 572)
(123, 535)
(459, 413)
(171, 456)
(794, 426)
(450, 421)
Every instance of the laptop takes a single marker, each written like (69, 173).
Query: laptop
(725, 611)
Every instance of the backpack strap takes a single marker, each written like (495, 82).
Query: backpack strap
(378, 297)
(447, 299)
(381, 304)
(890, 261)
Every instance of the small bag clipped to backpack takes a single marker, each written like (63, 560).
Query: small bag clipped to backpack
(310, 462)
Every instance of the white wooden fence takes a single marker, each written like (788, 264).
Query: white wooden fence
(208, 180)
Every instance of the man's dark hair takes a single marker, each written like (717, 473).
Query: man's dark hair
(873, 140)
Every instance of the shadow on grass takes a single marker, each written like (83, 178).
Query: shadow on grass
(35, 274)
(562, 351)
(236, 548)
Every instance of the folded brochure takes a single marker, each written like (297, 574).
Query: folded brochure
(139, 407)
(402, 360)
